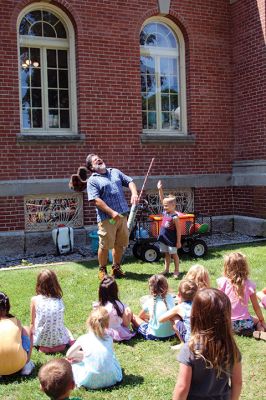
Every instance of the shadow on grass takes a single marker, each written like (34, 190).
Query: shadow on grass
(128, 380)
(17, 378)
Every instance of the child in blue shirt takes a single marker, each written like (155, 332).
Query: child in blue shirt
(147, 322)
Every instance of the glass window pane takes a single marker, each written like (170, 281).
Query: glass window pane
(63, 99)
(62, 59)
(51, 58)
(152, 103)
(164, 65)
(35, 77)
(25, 77)
(161, 41)
(53, 119)
(25, 95)
(144, 103)
(147, 64)
(173, 102)
(175, 118)
(152, 120)
(60, 29)
(165, 120)
(52, 78)
(35, 57)
(26, 118)
(165, 83)
(48, 30)
(172, 66)
(36, 97)
(165, 102)
(52, 98)
(34, 16)
(151, 83)
(151, 40)
(64, 119)
(171, 41)
(173, 84)
(37, 118)
(63, 79)
(36, 29)
(151, 28)
(24, 27)
(144, 120)
(49, 17)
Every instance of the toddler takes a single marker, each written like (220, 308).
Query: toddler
(179, 315)
(170, 232)
(236, 285)
(93, 360)
(15, 342)
(210, 363)
(147, 322)
(56, 379)
(119, 314)
(47, 315)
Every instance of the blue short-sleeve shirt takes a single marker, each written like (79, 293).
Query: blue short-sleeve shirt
(109, 188)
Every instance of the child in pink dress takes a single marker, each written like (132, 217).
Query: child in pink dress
(236, 285)
(119, 314)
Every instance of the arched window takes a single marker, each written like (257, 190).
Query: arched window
(162, 77)
(47, 71)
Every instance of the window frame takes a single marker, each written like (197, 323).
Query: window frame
(44, 43)
(181, 73)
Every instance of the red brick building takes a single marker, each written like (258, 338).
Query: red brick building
(181, 81)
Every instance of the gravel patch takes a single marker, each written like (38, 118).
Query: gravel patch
(86, 254)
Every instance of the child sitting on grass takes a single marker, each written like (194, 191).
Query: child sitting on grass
(200, 275)
(210, 363)
(56, 379)
(119, 314)
(147, 322)
(92, 356)
(15, 342)
(170, 232)
(179, 315)
(236, 285)
(47, 315)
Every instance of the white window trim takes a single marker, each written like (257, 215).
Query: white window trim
(182, 77)
(58, 44)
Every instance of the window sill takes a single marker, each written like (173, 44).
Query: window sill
(52, 138)
(167, 138)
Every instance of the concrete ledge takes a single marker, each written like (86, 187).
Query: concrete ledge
(250, 226)
(11, 243)
(223, 223)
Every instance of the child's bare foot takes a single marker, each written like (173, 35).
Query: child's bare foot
(165, 272)
(177, 347)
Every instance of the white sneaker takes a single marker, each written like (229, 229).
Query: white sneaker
(28, 368)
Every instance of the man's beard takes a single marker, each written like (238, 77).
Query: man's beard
(100, 168)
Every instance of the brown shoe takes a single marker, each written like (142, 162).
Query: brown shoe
(117, 271)
(102, 273)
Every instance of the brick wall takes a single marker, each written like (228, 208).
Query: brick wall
(109, 102)
(250, 201)
(249, 78)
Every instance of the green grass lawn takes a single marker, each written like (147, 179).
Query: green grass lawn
(150, 368)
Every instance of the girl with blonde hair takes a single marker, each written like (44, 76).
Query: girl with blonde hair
(200, 275)
(154, 306)
(47, 315)
(210, 363)
(92, 356)
(236, 285)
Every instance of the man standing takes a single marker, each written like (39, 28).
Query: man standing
(105, 189)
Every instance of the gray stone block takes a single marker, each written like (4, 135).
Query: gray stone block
(223, 223)
(39, 243)
(80, 238)
(11, 243)
(250, 225)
